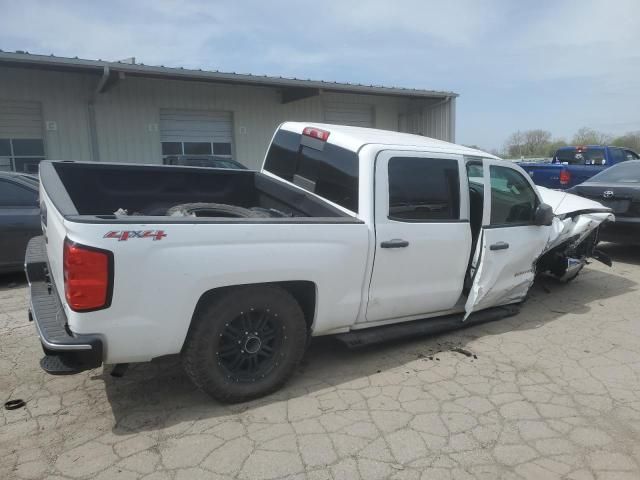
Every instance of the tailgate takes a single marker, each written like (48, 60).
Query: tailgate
(54, 232)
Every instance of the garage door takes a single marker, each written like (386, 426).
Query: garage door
(354, 114)
(196, 133)
(21, 140)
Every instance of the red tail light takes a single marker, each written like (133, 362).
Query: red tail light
(88, 277)
(316, 133)
(565, 177)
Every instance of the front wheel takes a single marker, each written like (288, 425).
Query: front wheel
(245, 343)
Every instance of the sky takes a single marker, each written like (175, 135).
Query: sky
(517, 65)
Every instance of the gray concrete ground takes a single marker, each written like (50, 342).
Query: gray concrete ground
(551, 393)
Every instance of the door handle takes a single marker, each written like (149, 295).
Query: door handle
(395, 243)
(499, 246)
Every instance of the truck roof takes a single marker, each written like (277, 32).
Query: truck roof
(354, 138)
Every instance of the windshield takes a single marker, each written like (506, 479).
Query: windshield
(586, 156)
(627, 172)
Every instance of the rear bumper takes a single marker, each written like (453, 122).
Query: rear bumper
(65, 352)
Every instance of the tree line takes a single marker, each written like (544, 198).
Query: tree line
(540, 143)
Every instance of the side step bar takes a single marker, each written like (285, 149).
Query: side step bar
(421, 328)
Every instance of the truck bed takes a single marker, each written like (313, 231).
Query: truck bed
(100, 190)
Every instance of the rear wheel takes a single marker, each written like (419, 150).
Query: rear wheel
(245, 343)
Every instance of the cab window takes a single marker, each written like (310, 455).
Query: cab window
(631, 155)
(513, 200)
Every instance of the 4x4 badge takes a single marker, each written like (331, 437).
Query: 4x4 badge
(125, 235)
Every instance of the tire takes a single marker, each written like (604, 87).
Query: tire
(213, 210)
(267, 353)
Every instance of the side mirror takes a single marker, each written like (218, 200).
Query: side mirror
(543, 215)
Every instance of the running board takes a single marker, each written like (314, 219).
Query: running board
(421, 328)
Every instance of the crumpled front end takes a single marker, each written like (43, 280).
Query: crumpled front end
(574, 236)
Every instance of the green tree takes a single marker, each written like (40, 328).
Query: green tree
(590, 136)
(629, 140)
(530, 143)
(555, 145)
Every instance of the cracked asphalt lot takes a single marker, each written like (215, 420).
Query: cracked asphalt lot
(553, 392)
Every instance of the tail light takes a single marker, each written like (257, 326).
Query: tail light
(316, 133)
(565, 177)
(88, 277)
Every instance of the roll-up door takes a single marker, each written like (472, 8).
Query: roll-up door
(354, 114)
(21, 138)
(196, 133)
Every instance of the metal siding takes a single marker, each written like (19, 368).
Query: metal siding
(438, 120)
(63, 99)
(128, 114)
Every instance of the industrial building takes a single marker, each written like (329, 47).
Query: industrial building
(75, 109)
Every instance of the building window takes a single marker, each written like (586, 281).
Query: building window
(21, 154)
(423, 189)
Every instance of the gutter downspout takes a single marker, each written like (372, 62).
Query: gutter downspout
(93, 131)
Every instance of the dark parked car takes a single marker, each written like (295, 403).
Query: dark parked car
(210, 161)
(618, 188)
(19, 218)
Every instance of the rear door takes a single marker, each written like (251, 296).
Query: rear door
(510, 242)
(422, 234)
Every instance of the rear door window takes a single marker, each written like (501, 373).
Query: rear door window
(13, 195)
(423, 189)
(331, 172)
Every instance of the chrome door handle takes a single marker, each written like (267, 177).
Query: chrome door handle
(499, 246)
(395, 243)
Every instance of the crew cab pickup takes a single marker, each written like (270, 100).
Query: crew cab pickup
(362, 233)
(573, 165)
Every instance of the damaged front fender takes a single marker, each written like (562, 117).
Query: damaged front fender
(574, 234)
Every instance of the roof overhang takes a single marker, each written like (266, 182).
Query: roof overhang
(292, 88)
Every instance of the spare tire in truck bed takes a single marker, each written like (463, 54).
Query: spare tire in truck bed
(202, 209)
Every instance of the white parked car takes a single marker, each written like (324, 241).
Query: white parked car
(363, 233)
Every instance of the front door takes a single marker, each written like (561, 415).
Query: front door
(510, 242)
(422, 234)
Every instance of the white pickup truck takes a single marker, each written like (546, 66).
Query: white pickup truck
(363, 233)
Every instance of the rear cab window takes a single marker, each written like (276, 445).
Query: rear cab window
(318, 167)
(580, 156)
